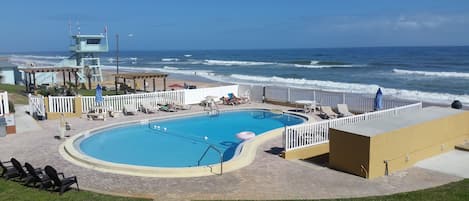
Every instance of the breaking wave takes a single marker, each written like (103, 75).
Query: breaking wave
(352, 88)
(235, 63)
(432, 74)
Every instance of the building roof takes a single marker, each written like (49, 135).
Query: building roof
(140, 75)
(6, 64)
(49, 69)
(372, 128)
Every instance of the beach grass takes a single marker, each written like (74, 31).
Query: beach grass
(92, 92)
(10, 190)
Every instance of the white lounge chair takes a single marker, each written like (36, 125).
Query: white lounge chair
(182, 106)
(327, 110)
(147, 107)
(130, 109)
(343, 110)
(97, 113)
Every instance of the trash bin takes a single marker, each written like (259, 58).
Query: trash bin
(3, 127)
(456, 104)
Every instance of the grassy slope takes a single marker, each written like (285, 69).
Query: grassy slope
(15, 93)
(14, 191)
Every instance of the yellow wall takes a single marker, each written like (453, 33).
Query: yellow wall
(349, 152)
(307, 152)
(404, 147)
(401, 147)
(56, 115)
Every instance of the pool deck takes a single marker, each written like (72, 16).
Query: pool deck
(268, 177)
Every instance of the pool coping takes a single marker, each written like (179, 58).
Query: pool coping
(246, 156)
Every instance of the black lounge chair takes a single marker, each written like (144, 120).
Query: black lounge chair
(23, 176)
(37, 177)
(61, 184)
(8, 171)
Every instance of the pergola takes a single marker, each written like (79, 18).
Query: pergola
(144, 76)
(33, 70)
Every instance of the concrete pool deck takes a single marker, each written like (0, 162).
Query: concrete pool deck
(268, 177)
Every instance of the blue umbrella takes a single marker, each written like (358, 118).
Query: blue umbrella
(99, 94)
(379, 100)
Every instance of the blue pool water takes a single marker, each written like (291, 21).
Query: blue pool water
(180, 142)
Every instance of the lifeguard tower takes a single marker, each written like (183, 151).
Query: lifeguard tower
(85, 53)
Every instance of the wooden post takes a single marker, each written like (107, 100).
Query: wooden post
(154, 86)
(63, 73)
(26, 83)
(34, 78)
(144, 85)
(135, 84)
(164, 84)
(69, 77)
(76, 80)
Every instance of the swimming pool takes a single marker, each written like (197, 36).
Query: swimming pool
(179, 142)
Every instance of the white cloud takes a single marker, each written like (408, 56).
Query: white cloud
(399, 23)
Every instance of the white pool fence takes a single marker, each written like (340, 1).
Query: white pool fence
(311, 134)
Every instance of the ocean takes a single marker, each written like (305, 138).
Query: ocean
(430, 74)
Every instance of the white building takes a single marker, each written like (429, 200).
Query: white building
(9, 73)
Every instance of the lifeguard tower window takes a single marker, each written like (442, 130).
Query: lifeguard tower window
(93, 41)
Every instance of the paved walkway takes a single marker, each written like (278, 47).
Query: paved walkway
(268, 177)
(24, 122)
(454, 163)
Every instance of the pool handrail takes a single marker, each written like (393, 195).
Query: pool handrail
(219, 152)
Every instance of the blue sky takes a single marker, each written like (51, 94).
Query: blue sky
(243, 24)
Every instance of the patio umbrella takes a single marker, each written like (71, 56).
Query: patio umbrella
(379, 100)
(99, 94)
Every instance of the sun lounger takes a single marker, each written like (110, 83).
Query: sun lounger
(37, 177)
(8, 171)
(97, 113)
(343, 110)
(130, 109)
(60, 184)
(327, 110)
(168, 108)
(147, 107)
(182, 107)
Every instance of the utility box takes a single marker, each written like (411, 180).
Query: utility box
(376, 148)
(3, 127)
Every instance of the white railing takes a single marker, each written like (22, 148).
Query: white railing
(305, 135)
(4, 107)
(62, 104)
(194, 96)
(36, 105)
(359, 103)
(117, 102)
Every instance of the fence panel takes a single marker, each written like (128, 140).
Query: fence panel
(61, 104)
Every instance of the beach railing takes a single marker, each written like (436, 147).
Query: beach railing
(61, 104)
(4, 107)
(310, 134)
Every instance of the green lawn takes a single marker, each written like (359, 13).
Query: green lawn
(92, 92)
(15, 93)
(10, 190)
(457, 191)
